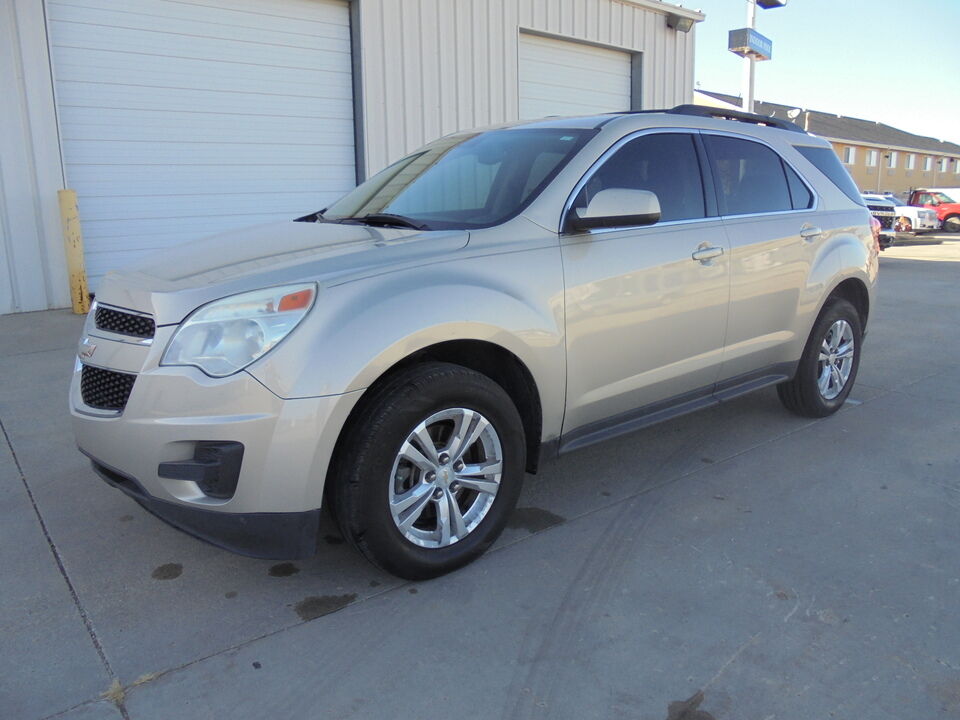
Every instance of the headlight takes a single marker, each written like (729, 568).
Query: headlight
(225, 336)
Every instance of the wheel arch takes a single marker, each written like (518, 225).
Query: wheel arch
(854, 291)
(487, 358)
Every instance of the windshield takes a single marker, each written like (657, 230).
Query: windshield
(465, 181)
(943, 197)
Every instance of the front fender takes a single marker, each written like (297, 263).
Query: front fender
(360, 329)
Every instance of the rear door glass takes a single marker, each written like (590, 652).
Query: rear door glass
(799, 193)
(749, 176)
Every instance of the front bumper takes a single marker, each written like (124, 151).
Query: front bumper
(278, 536)
(153, 448)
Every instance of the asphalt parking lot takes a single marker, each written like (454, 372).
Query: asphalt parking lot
(740, 563)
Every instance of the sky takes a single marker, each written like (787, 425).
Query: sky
(894, 61)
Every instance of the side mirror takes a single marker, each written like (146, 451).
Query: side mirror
(615, 207)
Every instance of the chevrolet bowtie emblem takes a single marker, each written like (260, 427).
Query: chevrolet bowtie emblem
(87, 349)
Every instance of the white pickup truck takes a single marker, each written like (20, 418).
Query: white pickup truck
(908, 218)
(885, 212)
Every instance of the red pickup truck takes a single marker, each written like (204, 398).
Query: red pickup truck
(945, 201)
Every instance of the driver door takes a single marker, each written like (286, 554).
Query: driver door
(645, 318)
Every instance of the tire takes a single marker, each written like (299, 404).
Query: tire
(816, 390)
(397, 500)
(951, 224)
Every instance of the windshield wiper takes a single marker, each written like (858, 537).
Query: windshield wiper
(389, 219)
(313, 217)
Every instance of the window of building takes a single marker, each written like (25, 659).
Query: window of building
(849, 155)
(872, 158)
(750, 177)
(927, 164)
(944, 163)
(911, 161)
(892, 160)
(956, 166)
(666, 164)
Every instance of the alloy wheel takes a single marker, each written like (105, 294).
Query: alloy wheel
(445, 477)
(835, 360)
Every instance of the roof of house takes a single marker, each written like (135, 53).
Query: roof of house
(839, 127)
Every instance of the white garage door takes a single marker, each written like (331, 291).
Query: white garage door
(560, 77)
(181, 118)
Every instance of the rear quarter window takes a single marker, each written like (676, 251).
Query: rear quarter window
(827, 162)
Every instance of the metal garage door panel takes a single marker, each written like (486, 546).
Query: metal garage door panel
(561, 77)
(183, 119)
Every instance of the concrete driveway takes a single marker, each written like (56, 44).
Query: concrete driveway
(740, 563)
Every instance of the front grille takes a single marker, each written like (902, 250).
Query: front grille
(884, 214)
(124, 323)
(105, 389)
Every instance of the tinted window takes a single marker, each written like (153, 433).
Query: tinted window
(466, 181)
(799, 193)
(664, 164)
(749, 176)
(827, 162)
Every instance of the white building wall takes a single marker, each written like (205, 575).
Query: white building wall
(32, 266)
(428, 68)
(435, 66)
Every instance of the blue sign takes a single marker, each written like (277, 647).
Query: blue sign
(747, 42)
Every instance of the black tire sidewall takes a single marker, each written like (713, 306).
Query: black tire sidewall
(809, 365)
(391, 419)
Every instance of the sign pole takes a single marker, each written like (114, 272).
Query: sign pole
(749, 63)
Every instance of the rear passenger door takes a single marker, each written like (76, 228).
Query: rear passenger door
(769, 216)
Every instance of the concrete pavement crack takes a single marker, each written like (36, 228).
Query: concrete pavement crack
(55, 551)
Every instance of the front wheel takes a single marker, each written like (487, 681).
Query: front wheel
(828, 366)
(952, 224)
(431, 471)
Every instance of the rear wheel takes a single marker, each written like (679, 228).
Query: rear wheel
(828, 367)
(431, 472)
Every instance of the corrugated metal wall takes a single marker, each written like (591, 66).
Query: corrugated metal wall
(32, 266)
(430, 67)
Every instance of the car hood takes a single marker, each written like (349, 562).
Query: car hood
(172, 283)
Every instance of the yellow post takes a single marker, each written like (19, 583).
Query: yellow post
(73, 243)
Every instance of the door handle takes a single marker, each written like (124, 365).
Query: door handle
(706, 253)
(810, 233)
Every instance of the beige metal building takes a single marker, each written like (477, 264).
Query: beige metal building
(177, 119)
(880, 158)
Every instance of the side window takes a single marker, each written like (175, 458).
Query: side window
(799, 193)
(665, 164)
(749, 176)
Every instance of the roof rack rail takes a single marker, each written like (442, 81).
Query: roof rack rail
(724, 114)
